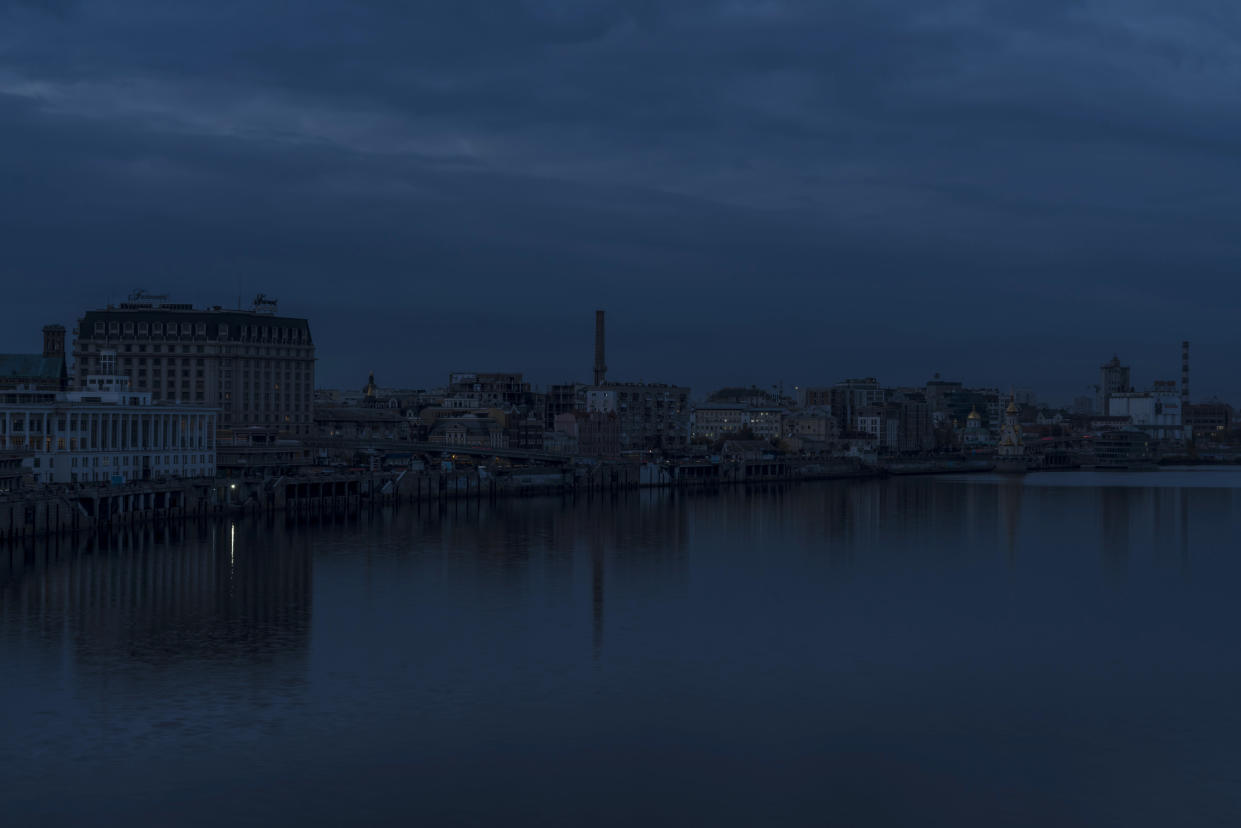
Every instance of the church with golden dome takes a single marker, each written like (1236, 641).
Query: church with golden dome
(1010, 453)
(975, 436)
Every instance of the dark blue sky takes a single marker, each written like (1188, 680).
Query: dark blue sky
(1004, 192)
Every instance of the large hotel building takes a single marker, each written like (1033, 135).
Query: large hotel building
(254, 367)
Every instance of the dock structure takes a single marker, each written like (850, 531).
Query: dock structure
(59, 509)
(55, 510)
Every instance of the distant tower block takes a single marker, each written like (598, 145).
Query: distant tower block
(1184, 377)
(53, 340)
(601, 366)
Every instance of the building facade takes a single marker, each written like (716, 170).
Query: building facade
(1156, 412)
(346, 422)
(815, 397)
(938, 392)
(10, 472)
(812, 425)
(916, 422)
(713, 421)
(766, 423)
(106, 433)
(849, 397)
(1113, 379)
(590, 434)
(564, 398)
(256, 368)
(489, 390)
(473, 430)
(883, 423)
(1203, 419)
(652, 416)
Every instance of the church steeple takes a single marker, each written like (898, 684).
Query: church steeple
(369, 390)
(1010, 432)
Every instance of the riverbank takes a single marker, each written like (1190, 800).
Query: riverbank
(59, 510)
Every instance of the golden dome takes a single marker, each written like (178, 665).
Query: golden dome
(974, 415)
(1012, 407)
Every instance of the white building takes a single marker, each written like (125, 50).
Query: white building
(870, 423)
(106, 433)
(1156, 412)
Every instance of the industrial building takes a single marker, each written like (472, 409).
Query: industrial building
(651, 416)
(1156, 412)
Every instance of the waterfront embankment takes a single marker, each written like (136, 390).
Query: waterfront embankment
(53, 510)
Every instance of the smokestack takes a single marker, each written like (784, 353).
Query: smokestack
(1184, 377)
(601, 367)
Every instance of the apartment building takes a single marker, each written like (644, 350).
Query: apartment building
(651, 415)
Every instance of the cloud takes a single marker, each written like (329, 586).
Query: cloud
(815, 171)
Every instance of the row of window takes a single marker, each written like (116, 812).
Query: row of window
(261, 333)
(120, 461)
(100, 477)
(262, 353)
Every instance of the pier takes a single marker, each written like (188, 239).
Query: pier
(56, 510)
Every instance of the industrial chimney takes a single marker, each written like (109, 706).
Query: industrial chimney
(601, 367)
(1184, 377)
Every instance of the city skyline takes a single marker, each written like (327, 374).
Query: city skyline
(333, 370)
(782, 190)
(389, 427)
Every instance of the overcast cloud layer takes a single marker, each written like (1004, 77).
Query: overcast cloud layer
(1006, 193)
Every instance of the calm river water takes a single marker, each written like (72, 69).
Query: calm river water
(1059, 649)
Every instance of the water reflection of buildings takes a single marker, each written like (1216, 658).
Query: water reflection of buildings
(186, 596)
(636, 544)
(1114, 518)
(1132, 516)
(1008, 503)
(921, 518)
(608, 547)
